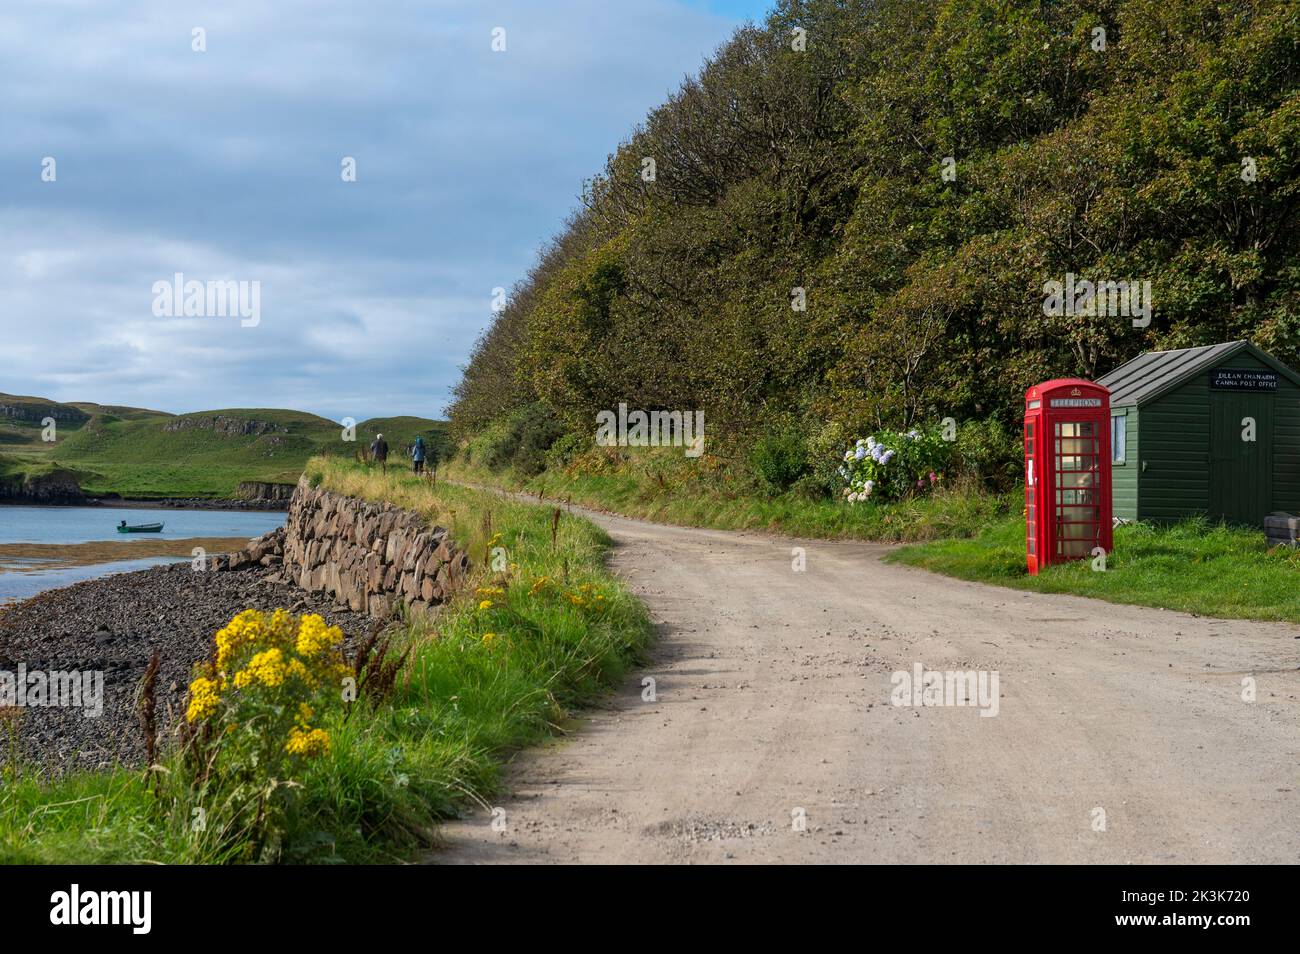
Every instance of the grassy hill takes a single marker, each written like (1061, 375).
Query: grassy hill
(21, 417)
(116, 410)
(142, 453)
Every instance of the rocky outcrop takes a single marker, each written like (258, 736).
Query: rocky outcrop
(368, 556)
(261, 492)
(223, 425)
(34, 412)
(58, 487)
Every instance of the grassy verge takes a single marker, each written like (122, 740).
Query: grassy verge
(660, 485)
(463, 701)
(1191, 566)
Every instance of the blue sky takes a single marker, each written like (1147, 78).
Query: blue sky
(225, 165)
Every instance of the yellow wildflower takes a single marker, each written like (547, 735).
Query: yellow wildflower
(204, 698)
(308, 742)
(485, 604)
(488, 639)
(267, 667)
(241, 631)
(314, 637)
(280, 629)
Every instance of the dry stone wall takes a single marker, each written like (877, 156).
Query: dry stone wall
(370, 556)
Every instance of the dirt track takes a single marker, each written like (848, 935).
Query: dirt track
(773, 695)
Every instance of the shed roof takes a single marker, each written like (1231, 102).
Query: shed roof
(1151, 374)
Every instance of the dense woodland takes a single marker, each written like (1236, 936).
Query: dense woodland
(1164, 149)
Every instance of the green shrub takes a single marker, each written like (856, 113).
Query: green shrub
(825, 457)
(537, 429)
(522, 440)
(498, 447)
(566, 449)
(779, 458)
(988, 455)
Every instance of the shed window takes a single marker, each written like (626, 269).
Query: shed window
(1118, 433)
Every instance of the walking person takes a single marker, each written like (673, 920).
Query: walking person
(417, 454)
(379, 451)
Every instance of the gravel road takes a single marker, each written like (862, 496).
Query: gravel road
(773, 704)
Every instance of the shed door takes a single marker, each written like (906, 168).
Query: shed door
(1241, 471)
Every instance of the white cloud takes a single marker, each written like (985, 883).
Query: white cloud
(225, 164)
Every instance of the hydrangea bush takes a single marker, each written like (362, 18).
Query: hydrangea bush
(891, 465)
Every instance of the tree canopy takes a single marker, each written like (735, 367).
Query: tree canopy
(915, 171)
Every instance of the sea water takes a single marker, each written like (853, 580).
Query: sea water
(20, 579)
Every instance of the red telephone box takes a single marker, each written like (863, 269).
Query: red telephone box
(1067, 471)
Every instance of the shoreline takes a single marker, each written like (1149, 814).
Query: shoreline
(164, 503)
(58, 556)
(112, 625)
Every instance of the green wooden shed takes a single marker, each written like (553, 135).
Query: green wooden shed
(1180, 429)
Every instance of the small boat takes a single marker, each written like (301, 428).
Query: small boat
(140, 528)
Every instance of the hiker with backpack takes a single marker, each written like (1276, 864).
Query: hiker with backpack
(418, 454)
